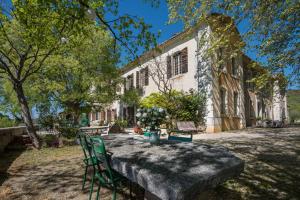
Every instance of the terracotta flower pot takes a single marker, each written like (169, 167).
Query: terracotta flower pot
(138, 130)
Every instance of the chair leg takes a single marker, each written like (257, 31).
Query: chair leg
(114, 193)
(98, 191)
(84, 177)
(130, 189)
(92, 187)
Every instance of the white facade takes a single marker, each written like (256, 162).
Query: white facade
(200, 75)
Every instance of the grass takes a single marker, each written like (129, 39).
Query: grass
(36, 157)
(272, 170)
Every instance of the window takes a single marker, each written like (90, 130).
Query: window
(235, 103)
(113, 115)
(137, 76)
(220, 59)
(103, 114)
(251, 108)
(234, 66)
(177, 63)
(97, 116)
(129, 82)
(144, 77)
(259, 109)
(223, 100)
(108, 115)
(118, 89)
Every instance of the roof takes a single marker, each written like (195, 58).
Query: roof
(177, 37)
(160, 47)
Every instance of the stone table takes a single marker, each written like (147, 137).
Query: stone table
(172, 170)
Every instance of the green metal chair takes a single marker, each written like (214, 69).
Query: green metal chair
(103, 172)
(88, 160)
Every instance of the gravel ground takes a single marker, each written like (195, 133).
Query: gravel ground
(272, 169)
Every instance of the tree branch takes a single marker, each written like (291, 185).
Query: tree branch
(8, 58)
(22, 62)
(30, 70)
(9, 41)
(106, 24)
(6, 69)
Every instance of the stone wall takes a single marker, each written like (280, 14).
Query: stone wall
(8, 134)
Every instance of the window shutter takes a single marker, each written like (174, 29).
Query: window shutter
(108, 115)
(184, 60)
(169, 67)
(124, 84)
(146, 76)
(131, 81)
(137, 76)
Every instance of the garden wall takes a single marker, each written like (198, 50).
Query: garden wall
(8, 134)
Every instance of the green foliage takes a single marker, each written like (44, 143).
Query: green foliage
(47, 121)
(131, 97)
(293, 99)
(181, 106)
(273, 26)
(8, 100)
(33, 31)
(82, 74)
(50, 140)
(6, 122)
(121, 123)
(151, 117)
(68, 131)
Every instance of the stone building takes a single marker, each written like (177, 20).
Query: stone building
(182, 64)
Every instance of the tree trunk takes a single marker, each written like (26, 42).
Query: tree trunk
(26, 115)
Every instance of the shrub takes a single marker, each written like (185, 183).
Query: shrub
(68, 132)
(181, 106)
(51, 140)
(47, 121)
(121, 123)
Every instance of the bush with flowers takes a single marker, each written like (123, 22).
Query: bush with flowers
(151, 118)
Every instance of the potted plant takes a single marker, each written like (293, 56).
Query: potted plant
(151, 118)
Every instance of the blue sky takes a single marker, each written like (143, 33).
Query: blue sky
(158, 18)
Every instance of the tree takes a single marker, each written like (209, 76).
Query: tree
(29, 34)
(158, 73)
(5, 121)
(9, 104)
(273, 29)
(83, 75)
(32, 31)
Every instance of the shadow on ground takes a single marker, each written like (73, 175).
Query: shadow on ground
(271, 171)
(7, 157)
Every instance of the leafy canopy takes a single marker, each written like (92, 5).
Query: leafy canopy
(83, 74)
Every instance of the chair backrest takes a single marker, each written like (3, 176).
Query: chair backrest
(84, 145)
(186, 126)
(98, 148)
